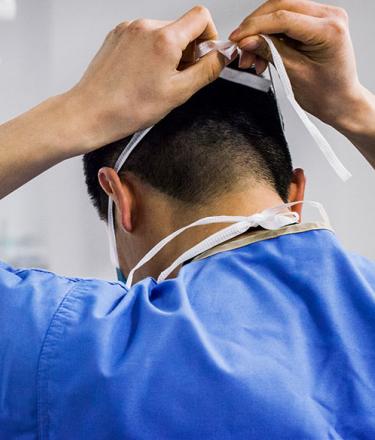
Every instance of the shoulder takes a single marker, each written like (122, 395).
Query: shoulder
(31, 300)
(41, 291)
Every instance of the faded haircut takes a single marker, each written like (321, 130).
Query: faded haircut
(224, 134)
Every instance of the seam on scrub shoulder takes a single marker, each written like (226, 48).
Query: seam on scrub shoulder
(48, 345)
(62, 277)
(39, 270)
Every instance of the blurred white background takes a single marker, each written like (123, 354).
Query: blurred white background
(50, 221)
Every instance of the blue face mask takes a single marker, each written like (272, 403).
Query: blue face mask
(120, 275)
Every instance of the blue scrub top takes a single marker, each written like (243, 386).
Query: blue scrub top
(273, 340)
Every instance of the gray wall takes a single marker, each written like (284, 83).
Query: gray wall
(46, 50)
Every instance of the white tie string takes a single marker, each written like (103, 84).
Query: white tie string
(273, 218)
(134, 141)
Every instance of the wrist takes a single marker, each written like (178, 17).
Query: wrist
(357, 118)
(61, 126)
(93, 121)
(78, 126)
(73, 122)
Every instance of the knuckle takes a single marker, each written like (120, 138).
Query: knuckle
(264, 51)
(342, 13)
(164, 40)
(276, 3)
(200, 9)
(211, 74)
(280, 15)
(119, 29)
(140, 24)
(335, 11)
(337, 25)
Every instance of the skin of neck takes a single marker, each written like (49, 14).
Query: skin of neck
(144, 215)
(156, 215)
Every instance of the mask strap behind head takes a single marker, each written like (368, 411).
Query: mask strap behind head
(270, 219)
(134, 141)
(318, 137)
(273, 218)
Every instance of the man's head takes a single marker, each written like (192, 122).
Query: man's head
(222, 152)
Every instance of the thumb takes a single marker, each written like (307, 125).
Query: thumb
(200, 74)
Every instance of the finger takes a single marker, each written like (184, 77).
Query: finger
(252, 43)
(260, 65)
(258, 46)
(289, 55)
(305, 7)
(203, 72)
(247, 59)
(305, 29)
(195, 24)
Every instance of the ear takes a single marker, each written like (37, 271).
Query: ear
(121, 194)
(297, 190)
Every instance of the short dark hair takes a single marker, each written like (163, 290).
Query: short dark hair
(224, 133)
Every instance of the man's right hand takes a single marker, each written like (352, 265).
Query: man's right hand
(314, 42)
(135, 78)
